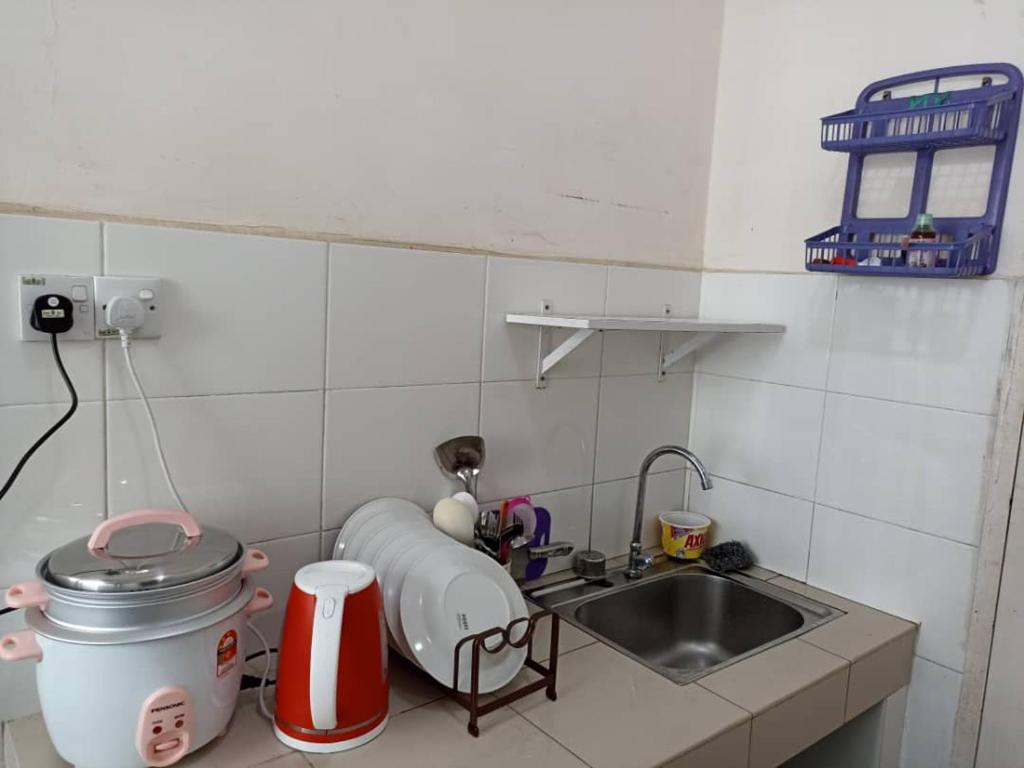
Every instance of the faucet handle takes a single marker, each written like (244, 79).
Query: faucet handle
(523, 556)
(554, 549)
(638, 561)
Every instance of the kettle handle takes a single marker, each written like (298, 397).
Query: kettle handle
(101, 536)
(323, 657)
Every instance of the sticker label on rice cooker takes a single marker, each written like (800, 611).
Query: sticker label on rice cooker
(227, 652)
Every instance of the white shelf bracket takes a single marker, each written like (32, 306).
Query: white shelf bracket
(545, 362)
(699, 332)
(691, 345)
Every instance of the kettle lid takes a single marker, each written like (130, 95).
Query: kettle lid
(349, 575)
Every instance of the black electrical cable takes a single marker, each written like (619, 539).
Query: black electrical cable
(253, 681)
(257, 654)
(48, 433)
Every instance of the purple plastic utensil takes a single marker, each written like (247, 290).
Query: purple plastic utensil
(541, 536)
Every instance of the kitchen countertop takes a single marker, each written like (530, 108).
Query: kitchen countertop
(611, 712)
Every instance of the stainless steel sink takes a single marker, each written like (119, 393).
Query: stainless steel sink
(684, 621)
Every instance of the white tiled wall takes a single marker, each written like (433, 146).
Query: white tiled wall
(296, 380)
(247, 463)
(242, 314)
(851, 450)
(931, 711)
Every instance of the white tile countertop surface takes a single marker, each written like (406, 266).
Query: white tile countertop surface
(611, 712)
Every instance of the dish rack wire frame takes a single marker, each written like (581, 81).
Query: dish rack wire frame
(478, 642)
(984, 115)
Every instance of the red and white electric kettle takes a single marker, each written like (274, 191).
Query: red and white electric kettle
(332, 674)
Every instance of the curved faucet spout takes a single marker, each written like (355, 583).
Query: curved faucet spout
(638, 562)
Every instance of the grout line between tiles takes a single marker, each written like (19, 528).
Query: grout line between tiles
(916, 626)
(323, 412)
(747, 721)
(834, 507)
(421, 705)
(897, 525)
(52, 403)
(845, 668)
(860, 657)
(597, 427)
(988, 414)
(758, 487)
(946, 667)
(479, 382)
(750, 742)
(726, 698)
(483, 348)
(821, 425)
(286, 538)
(846, 698)
(275, 758)
(634, 477)
(536, 727)
(583, 486)
(104, 387)
(305, 390)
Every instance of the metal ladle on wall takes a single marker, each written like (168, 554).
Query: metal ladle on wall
(461, 458)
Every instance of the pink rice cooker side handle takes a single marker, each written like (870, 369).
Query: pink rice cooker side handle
(27, 594)
(261, 601)
(101, 536)
(255, 560)
(20, 646)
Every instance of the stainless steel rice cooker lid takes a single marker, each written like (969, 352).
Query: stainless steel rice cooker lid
(140, 558)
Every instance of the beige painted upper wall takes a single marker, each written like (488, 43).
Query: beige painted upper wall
(785, 64)
(574, 128)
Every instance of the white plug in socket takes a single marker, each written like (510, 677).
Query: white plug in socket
(125, 313)
(129, 303)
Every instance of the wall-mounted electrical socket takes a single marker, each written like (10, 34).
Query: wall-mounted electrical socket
(147, 290)
(77, 288)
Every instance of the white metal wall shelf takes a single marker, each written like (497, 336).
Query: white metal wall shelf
(585, 326)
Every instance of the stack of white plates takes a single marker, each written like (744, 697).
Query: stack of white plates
(436, 591)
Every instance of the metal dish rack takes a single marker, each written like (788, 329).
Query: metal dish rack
(985, 114)
(479, 645)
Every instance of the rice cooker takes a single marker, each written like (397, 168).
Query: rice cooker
(138, 636)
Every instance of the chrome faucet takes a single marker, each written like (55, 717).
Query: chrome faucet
(638, 561)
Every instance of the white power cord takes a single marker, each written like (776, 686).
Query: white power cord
(266, 669)
(126, 346)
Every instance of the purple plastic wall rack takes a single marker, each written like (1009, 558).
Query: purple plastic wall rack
(984, 113)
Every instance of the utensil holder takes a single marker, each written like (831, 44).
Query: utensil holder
(478, 646)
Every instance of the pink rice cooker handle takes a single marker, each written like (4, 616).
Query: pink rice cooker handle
(27, 594)
(260, 601)
(101, 536)
(19, 646)
(255, 560)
